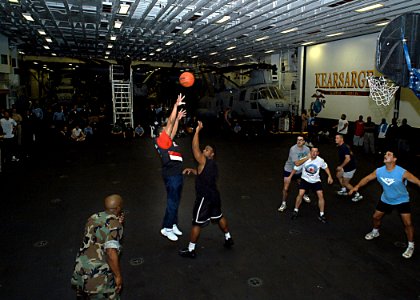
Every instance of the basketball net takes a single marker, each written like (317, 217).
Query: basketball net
(381, 90)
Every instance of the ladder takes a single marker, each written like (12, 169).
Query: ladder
(122, 95)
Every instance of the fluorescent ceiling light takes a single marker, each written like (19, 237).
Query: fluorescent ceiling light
(28, 17)
(53, 54)
(107, 52)
(113, 37)
(335, 34)
(269, 51)
(42, 32)
(382, 23)
(110, 46)
(216, 63)
(181, 61)
(262, 38)
(188, 30)
(124, 9)
(144, 58)
(49, 40)
(106, 57)
(213, 53)
(195, 56)
(222, 20)
(307, 43)
(289, 30)
(35, 63)
(168, 43)
(46, 47)
(117, 24)
(21, 52)
(152, 53)
(233, 58)
(14, 1)
(370, 7)
(158, 49)
(249, 55)
(231, 47)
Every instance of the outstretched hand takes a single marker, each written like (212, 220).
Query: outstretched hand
(179, 100)
(181, 114)
(199, 126)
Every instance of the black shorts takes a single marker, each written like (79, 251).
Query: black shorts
(402, 208)
(207, 207)
(304, 185)
(294, 177)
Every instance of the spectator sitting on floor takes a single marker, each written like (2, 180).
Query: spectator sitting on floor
(139, 131)
(77, 134)
(88, 131)
(128, 132)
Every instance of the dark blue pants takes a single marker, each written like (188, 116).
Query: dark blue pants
(173, 186)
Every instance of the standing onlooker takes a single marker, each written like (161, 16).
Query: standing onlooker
(207, 204)
(393, 180)
(346, 168)
(369, 140)
(382, 131)
(311, 181)
(359, 131)
(404, 134)
(342, 126)
(171, 158)
(304, 118)
(297, 155)
(97, 273)
(8, 126)
(392, 134)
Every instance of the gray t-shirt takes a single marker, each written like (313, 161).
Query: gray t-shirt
(295, 154)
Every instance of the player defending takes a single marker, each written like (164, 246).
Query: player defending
(311, 180)
(207, 204)
(297, 155)
(395, 195)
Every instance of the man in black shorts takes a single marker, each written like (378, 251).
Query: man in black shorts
(207, 205)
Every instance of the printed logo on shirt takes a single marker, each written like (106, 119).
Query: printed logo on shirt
(388, 181)
(311, 169)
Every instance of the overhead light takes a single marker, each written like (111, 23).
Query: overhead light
(46, 47)
(107, 52)
(117, 24)
(213, 53)
(168, 43)
(382, 23)
(307, 43)
(110, 46)
(222, 20)
(124, 9)
(53, 54)
(49, 40)
(216, 63)
(269, 51)
(42, 32)
(335, 34)
(113, 37)
(176, 29)
(188, 30)
(233, 58)
(14, 1)
(370, 7)
(158, 49)
(21, 52)
(70, 64)
(35, 63)
(231, 47)
(249, 55)
(106, 57)
(289, 30)
(262, 38)
(181, 61)
(152, 53)
(195, 56)
(144, 58)
(28, 17)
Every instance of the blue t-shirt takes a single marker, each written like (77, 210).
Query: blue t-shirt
(394, 190)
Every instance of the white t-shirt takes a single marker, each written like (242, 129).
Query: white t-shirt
(310, 169)
(7, 127)
(341, 124)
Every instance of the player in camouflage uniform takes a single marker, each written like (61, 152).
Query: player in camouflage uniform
(97, 272)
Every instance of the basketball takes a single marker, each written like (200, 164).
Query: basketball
(186, 79)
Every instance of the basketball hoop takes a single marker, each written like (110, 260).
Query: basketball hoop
(381, 90)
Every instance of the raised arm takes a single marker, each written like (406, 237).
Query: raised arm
(181, 114)
(198, 155)
(410, 177)
(173, 116)
(363, 182)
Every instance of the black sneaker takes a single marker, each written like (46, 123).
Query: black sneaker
(322, 219)
(294, 215)
(228, 243)
(187, 253)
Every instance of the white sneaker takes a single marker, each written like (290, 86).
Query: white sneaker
(408, 252)
(169, 234)
(176, 230)
(342, 193)
(357, 197)
(306, 198)
(371, 235)
(282, 207)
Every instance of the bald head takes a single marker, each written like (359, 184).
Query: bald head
(113, 203)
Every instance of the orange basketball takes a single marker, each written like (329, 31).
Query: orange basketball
(186, 79)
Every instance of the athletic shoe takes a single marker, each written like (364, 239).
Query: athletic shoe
(322, 219)
(294, 215)
(357, 197)
(342, 193)
(282, 207)
(371, 235)
(169, 234)
(187, 253)
(228, 243)
(408, 252)
(176, 230)
(306, 198)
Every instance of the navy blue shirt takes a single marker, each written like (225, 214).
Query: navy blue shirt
(344, 150)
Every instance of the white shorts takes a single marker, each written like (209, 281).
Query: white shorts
(358, 140)
(349, 174)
